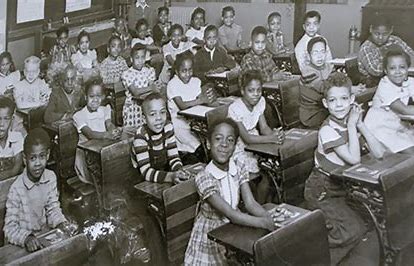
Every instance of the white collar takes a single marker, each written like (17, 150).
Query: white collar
(142, 5)
(218, 174)
(208, 50)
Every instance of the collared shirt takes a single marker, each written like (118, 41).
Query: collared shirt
(31, 206)
(94, 120)
(31, 95)
(371, 56)
(211, 52)
(263, 63)
(7, 80)
(230, 37)
(301, 51)
(111, 70)
(14, 145)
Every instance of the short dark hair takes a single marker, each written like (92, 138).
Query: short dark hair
(113, 38)
(83, 34)
(163, 8)
(227, 9)
(61, 30)
(6, 102)
(393, 53)
(180, 58)
(312, 14)
(141, 22)
(175, 27)
(218, 122)
(272, 15)
(8, 56)
(258, 30)
(137, 47)
(314, 40)
(210, 28)
(36, 136)
(381, 20)
(336, 79)
(152, 96)
(196, 11)
(250, 75)
(96, 81)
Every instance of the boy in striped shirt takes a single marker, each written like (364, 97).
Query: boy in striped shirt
(154, 146)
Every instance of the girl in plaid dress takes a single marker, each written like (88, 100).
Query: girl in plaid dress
(219, 187)
(138, 80)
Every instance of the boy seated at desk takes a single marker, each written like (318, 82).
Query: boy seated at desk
(260, 59)
(154, 146)
(211, 58)
(11, 142)
(339, 145)
(372, 51)
(60, 53)
(32, 91)
(67, 97)
(33, 200)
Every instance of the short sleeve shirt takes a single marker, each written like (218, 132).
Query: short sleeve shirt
(6, 81)
(140, 78)
(31, 95)
(230, 36)
(14, 145)
(387, 92)
(169, 49)
(85, 60)
(193, 33)
(238, 112)
(94, 120)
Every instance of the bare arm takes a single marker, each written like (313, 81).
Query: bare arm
(399, 107)
(187, 104)
(251, 204)
(264, 127)
(170, 60)
(375, 147)
(255, 139)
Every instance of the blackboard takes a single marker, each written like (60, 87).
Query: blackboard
(55, 10)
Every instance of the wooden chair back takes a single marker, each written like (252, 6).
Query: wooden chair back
(68, 140)
(351, 68)
(290, 103)
(180, 203)
(217, 114)
(304, 242)
(4, 191)
(35, 117)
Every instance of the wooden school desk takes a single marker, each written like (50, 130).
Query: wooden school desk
(289, 164)
(385, 191)
(115, 96)
(298, 240)
(287, 62)
(32, 117)
(238, 54)
(109, 165)
(225, 83)
(68, 251)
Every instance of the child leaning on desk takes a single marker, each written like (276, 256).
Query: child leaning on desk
(93, 122)
(154, 147)
(184, 91)
(339, 145)
(248, 113)
(33, 200)
(195, 33)
(138, 80)
(11, 142)
(221, 186)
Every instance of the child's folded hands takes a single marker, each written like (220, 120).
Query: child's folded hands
(32, 243)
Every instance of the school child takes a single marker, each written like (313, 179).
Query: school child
(391, 100)
(311, 111)
(175, 46)
(9, 76)
(32, 91)
(114, 65)
(372, 51)
(260, 59)
(153, 52)
(138, 79)
(339, 145)
(161, 29)
(230, 33)
(121, 31)
(33, 200)
(184, 91)
(221, 186)
(248, 113)
(67, 97)
(275, 41)
(93, 122)
(61, 52)
(85, 59)
(154, 145)
(195, 33)
(11, 142)
(211, 58)
(311, 26)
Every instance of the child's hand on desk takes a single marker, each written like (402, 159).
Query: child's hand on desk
(279, 134)
(203, 98)
(68, 228)
(181, 176)
(269, 223)
(31, 243)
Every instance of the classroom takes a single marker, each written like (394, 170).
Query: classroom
(207, 132)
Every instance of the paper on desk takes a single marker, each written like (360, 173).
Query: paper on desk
(218, 75)
(198, 110)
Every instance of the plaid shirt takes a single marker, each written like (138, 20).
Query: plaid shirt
(30, 206)
(61, 55)
(264, 63)
(371, 56)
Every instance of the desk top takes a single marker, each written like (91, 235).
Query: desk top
(341, 61)
(242, 238)
(96, 145)
(198, 111)
(292, 142)
(275, 84)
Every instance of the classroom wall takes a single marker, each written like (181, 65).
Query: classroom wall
(3, 16)
(336, 19)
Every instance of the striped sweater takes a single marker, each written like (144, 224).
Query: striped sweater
(162, 147)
